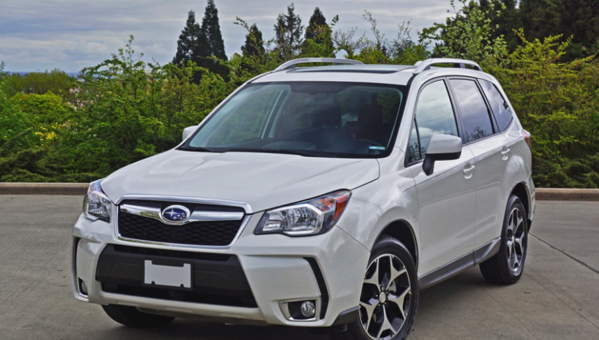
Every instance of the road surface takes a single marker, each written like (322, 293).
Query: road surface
(558, 297)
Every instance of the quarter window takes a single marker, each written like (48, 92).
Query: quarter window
(499, 106)
(434, 115)
(475, 114)
(413, 145)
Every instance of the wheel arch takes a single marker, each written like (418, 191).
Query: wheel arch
(402, 231)
(521, 191)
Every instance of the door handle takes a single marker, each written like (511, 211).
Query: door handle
(505, 153)
(469, 171)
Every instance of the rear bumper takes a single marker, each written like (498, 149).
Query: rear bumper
(249, 281)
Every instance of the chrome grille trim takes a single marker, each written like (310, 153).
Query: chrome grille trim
(196, 216)
(217, 216)
(208, 201)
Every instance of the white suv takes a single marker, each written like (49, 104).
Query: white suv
(323, 197)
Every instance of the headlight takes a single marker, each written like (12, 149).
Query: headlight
(306, 218)
(96, 205)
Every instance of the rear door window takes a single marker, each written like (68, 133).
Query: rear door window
(475, 113)
(499, 106)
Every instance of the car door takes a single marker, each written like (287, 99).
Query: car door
(515, 146)
(447, 197)
(490, 157)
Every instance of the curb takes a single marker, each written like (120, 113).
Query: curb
(550, 194)
(78, 189)
(542, 194)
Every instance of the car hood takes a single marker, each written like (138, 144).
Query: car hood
(263, 180)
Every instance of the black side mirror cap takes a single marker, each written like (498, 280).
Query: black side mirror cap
(429, 161)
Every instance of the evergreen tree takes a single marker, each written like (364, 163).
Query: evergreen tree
(215, 45)
(211, 29)
(578, 19)
(581, 20)
(316, 22)
(540, 18)
(288, 34)
(191, 46)
(191, 42)
(254, 43)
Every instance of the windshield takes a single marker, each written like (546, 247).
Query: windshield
(306, 118)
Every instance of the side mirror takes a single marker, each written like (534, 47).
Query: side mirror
(441, 148)
(188, 131)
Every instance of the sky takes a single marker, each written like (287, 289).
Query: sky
(38, 35)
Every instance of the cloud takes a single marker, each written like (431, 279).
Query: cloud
(71, 34)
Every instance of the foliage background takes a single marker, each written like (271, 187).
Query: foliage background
(55, 128)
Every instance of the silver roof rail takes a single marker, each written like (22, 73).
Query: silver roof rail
(292, 63)
(424, 65)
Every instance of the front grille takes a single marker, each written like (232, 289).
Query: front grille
(217, 233)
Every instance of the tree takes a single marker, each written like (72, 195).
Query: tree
(318, 40)
(215, 46)
(556, 102)
(191, 42)
(255, 59)
(55, 81)
(211, 29)
(192, 46)
(505, 18)
(345, 41)
(317, 21)
(288, 34)
(578, 19)
(467, 35)
(254, 43)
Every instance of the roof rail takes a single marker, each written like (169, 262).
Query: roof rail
(292, 63)
(424, 65)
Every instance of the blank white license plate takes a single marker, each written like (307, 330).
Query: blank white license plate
(170, 276)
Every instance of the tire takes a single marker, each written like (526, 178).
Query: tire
(131, 317)
(388, 254)
(507, 266)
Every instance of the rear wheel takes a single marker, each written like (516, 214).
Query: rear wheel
(389, 297)
(131, 317)
(507, 266)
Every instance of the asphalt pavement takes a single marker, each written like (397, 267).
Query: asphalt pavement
(557, 298)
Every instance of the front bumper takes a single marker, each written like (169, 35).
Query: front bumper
(327, 268)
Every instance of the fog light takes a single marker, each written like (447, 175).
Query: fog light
(82, 287)
(308, 309)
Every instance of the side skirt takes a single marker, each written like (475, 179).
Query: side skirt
(457, 266)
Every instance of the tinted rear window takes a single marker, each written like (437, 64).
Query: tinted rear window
(499, 106)
(475, 114)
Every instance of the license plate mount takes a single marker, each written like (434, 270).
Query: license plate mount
(171, 275)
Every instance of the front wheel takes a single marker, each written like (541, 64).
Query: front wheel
(389, 297)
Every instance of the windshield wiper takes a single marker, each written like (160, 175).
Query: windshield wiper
(279, 151)
(197, 148)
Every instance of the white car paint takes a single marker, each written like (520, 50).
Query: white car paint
(236, 176)
(444, 144)
(450, 213)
